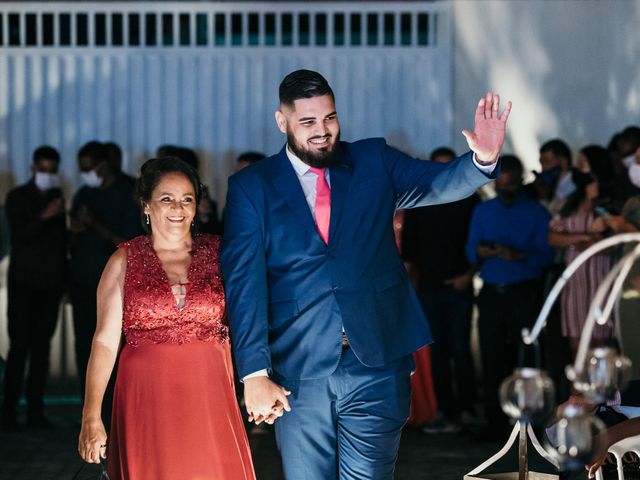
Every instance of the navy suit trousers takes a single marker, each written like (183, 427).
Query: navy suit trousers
(346, 426)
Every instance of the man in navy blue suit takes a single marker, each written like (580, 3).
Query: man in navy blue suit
(323, 316)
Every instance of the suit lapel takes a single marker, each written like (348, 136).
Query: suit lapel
(288, 187)
(340, 176)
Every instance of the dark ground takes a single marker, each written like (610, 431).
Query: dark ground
(51, 453)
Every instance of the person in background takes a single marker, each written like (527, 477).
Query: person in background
(103, 214)
(575, 229)
(36, 283)
(114, 153)
(508, 241)
(553, 184)
(248, 158)
(622, 149)
(552, 187)
(433, 243)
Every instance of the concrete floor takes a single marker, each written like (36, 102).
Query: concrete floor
(51, 454)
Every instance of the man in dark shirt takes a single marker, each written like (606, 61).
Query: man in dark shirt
(433, 242)
(37, 268)
(508, 241)
(104, 213)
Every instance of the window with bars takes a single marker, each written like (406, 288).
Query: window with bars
(234, 29)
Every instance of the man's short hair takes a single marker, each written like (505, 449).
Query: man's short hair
(558, 147)
(442, 152)
(250, 157)
(46, 152)
(115, 155)
(97, 151)
(511, 165)
(303, 84)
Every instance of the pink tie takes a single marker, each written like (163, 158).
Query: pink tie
(323, 203)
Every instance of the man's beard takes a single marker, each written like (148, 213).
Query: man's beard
(325, 158)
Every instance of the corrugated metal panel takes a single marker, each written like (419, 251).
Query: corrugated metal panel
(217, 98)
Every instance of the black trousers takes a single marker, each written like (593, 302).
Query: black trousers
(449, 313)
(32, 317)
(84, 303)
(502, 313)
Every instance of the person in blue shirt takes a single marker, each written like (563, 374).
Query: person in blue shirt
(508, 243)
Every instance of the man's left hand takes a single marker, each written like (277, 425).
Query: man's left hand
(488, 137)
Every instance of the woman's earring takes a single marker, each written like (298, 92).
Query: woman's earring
(147, 218)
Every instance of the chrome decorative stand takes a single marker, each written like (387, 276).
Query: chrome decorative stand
(522, 431)
(598, 374)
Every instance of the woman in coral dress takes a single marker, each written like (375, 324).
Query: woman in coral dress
(175, 415)
(423, 397)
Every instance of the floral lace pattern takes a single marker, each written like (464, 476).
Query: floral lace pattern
(150, 311)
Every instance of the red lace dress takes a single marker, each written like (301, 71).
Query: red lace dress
(175, 415)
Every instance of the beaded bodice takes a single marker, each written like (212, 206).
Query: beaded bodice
(151, 312)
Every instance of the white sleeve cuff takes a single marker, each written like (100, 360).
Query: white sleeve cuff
(484, 168)
(259, 373)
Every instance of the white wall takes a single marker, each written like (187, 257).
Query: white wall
(571, 68)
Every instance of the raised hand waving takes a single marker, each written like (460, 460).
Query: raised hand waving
(488, 136)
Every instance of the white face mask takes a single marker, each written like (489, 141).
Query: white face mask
(46, 181)
(629, 160)
(91, 179)
(634, 174)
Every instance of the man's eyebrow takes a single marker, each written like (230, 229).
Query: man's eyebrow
(304, 119)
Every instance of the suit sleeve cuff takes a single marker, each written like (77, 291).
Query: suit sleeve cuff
(260, 373)
(488, 169)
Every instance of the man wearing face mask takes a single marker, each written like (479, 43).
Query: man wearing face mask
(508, 241)
(622, 149)
(35, 212)
(103, 214)
(553, 183)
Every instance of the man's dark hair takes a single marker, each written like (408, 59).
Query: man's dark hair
(189, 155)
(250, 157)
(98, 152)
(46, 152)
(558, 147)
(115, 155)
(185, 154)
(631, 136)
(442, 152)
(511, 165)
(303, 84)
(152, 172)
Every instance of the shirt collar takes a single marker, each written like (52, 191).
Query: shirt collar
(299, 166)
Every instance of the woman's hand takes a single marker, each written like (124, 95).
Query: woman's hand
(92, 444)
(600, 454)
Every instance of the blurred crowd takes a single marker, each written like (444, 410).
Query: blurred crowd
(500, 253)
(516, 245)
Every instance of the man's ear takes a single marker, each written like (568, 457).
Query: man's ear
(281, 121)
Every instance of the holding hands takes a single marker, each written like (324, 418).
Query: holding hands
(265, 400)
(488, 137)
